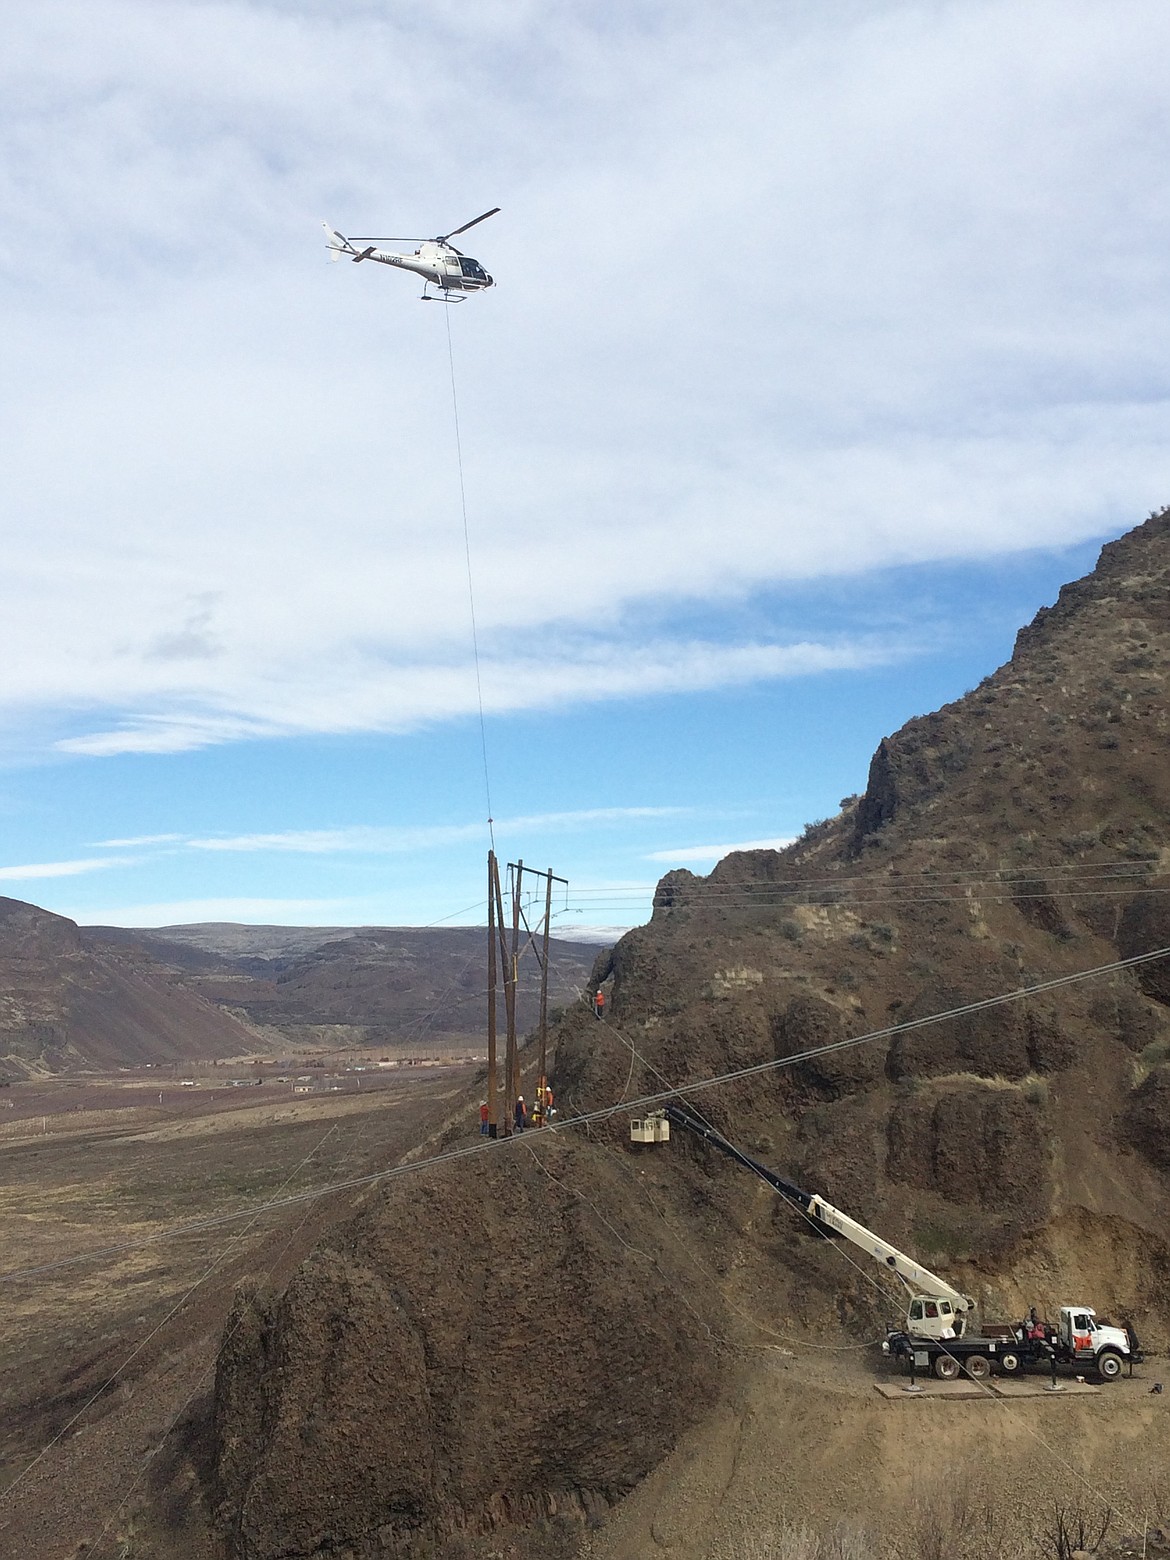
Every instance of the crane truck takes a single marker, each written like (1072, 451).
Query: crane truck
(937, 1334)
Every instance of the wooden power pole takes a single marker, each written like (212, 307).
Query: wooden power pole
(502, 1094)
(513, 1049)
(493, 881)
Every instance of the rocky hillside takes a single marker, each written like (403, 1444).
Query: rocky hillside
(510, 1343)
(66, 1004)
(1016, 835)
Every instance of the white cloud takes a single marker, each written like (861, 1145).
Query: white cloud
(59, 869)
(784, 292)
(316, 842)
(377, 840)
(137, 839)
(331, 694)
(715, 852)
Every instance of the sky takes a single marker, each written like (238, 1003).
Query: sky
(827, 342)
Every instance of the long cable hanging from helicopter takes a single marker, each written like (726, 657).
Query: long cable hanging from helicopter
(456, 275)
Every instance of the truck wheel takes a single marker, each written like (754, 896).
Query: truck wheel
(1009, 1363)
(946, 1368)
(979, 1367)
(1109, 1364)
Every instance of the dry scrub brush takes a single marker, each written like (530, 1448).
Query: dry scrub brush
(954, 1518)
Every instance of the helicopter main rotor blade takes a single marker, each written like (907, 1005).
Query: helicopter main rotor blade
(455, 232)
(367, 238)
(365, 254)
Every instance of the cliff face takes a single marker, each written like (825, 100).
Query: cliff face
(1021, 833)
(495, 1329)
(65, 1005)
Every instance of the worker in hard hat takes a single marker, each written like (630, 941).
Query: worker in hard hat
(521, 1114)
(483, 1118)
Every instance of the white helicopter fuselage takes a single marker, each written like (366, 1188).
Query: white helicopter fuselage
(438, 263)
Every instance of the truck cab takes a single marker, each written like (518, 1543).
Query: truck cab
(1081, 1337)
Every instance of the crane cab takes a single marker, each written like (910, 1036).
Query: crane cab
(933, 1316)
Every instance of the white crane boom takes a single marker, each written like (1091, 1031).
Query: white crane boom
(917, 1279)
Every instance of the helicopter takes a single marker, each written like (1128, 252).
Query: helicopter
(436, 260)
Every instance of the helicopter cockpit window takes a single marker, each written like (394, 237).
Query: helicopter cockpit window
(472, 268)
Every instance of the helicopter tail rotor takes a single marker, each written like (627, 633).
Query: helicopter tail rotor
(336, 242)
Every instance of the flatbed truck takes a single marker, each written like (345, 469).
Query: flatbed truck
(936, 1335)
(1078, 1340)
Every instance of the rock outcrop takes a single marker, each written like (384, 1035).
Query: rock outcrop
(476, 1354)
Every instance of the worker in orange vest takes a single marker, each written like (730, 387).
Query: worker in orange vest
(483, 1118)
(599, 1004)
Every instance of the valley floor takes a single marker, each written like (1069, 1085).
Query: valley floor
(102, 1355)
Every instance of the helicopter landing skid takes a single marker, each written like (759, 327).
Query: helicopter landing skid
(444, 297)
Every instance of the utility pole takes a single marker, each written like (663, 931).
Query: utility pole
(503, 1094)
(513, 1049)
(509, 1001)
(544, 992)
(493, 882)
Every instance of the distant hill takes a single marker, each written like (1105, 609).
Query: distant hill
(229, 940)
(83, 997)
(384, 986)
(66, 1002)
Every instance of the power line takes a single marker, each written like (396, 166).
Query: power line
(1118, 866)
(865, 1274)
(185, 1403)
(604, 1113)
